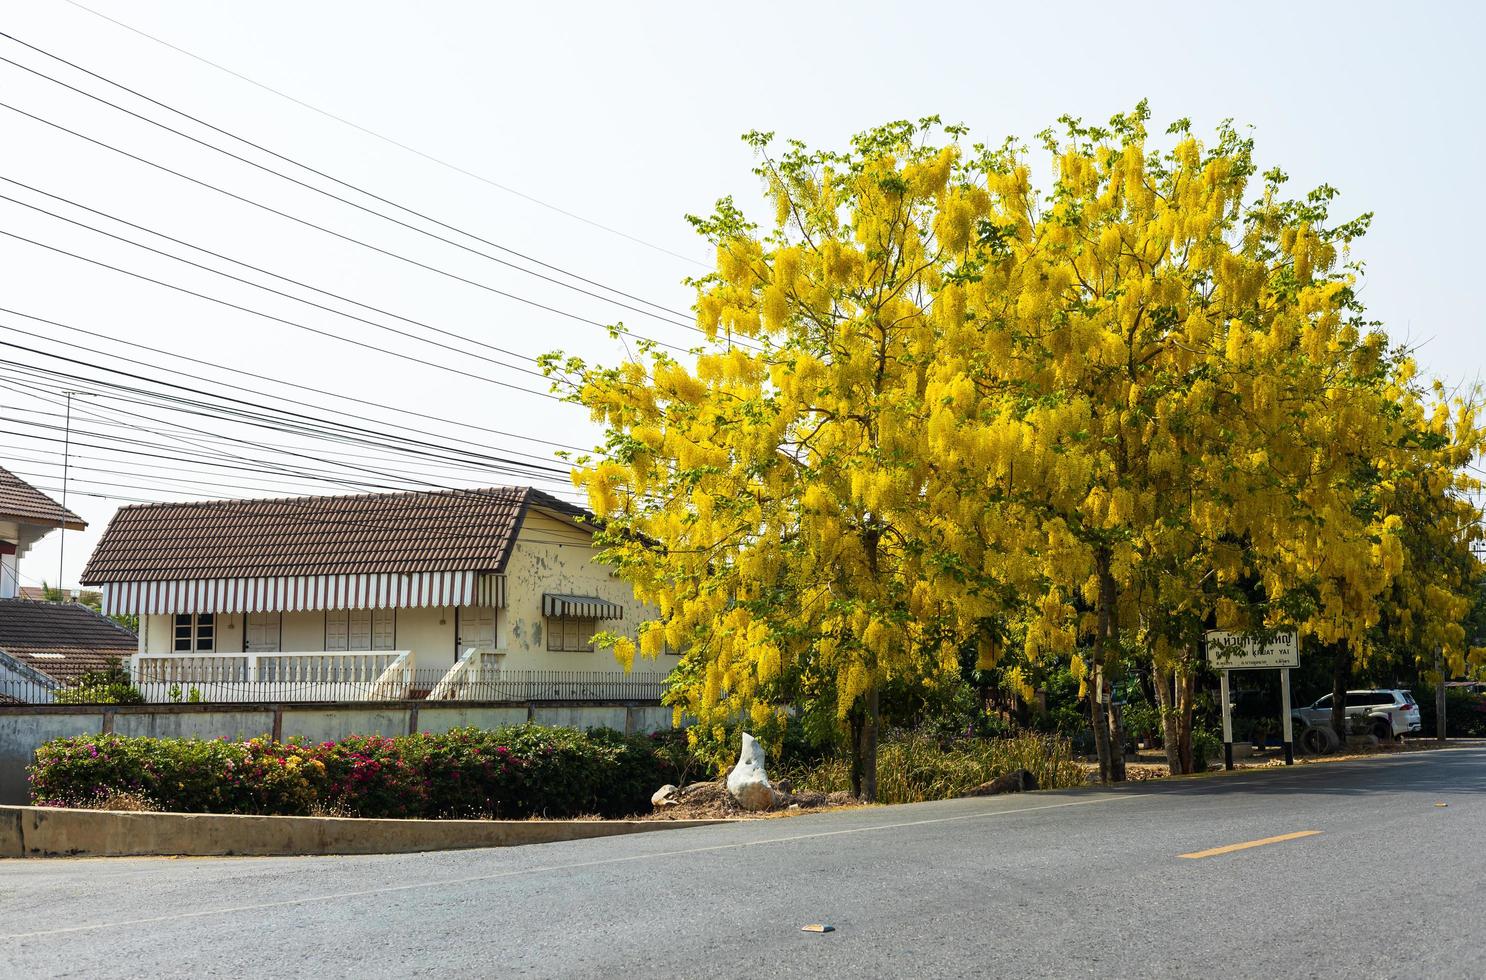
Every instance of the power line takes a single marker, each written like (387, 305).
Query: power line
(363, 483)
(389, 140)
(352, 434)
(269, 316)
(227, 258)
(318, 190)
(261, 377)
(335, 234)
(497, 464)
(264, 466)
(330, 457)
(312, 420)
(289, 296)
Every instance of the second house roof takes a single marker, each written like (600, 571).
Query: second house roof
(466, 530)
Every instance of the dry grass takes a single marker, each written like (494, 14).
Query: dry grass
(915, 766)
(124, 801)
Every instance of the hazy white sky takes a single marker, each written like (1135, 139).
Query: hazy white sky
(628, 115)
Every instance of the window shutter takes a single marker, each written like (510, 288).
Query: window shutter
(361, 630)
(335, 630)
(477, 627)
(383, 632)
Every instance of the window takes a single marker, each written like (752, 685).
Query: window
(261, 633)
(359, 629)
(570, 634)
(195, 633)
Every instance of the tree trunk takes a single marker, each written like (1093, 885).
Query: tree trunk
(1111, 756)
(1441, 703)
(1341, 673)
(855, 718)
(870, 721)
(1185, 682)
(1117, 741)
(1098, 720)
(1164, 680)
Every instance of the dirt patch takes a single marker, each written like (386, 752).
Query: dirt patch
(712, 801)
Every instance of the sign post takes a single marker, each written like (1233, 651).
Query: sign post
(1248, 651)
(1285, 715)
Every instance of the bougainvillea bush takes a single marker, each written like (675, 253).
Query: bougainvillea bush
(514, 772)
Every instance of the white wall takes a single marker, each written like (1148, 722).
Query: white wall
(299, 632)
(429, 633)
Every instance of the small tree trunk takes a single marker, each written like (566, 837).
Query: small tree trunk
(1185, 681)
(1164, 680)
(1341, 673)
(855, 718)
(869, 746)
(1099, 720)
(1111, 757)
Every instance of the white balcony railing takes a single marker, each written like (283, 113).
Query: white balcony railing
(362, 675)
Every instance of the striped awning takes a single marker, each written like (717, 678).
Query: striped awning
(309, 592)
(580, 607)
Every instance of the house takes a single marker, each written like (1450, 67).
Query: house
(62, 640)
(45, 645)
(400, 590)
(26, 516)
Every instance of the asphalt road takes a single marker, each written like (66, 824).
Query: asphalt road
(1081, 883)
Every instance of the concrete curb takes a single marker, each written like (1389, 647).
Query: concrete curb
(33, 831)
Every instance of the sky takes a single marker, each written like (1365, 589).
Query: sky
(580, 135)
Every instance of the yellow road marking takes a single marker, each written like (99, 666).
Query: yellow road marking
(1230, 848)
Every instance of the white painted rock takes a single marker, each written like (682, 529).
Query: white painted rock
(748, 783)
(665, 796)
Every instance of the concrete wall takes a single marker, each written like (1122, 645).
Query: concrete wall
(21, 734)
(24, 728)
(41, 832)
(437, 718)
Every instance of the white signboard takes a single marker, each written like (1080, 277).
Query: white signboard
(1242, 651)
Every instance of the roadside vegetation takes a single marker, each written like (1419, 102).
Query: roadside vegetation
(509, 773)
(919, 765)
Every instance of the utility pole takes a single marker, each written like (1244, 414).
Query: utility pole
(1439, 695)
(66, 459)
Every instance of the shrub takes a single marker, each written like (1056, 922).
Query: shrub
(515, 772)
(1207, 747)
(916, 765)
(1465, 713)
(110, 686)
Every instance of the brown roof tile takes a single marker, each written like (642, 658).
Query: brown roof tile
(446, 530)
(62, 639)
(23, 503)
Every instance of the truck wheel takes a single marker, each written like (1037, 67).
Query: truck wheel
(1382, 728)
(1317, 740)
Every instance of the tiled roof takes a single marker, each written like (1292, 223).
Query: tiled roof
(24, 504)
(62, 639)
(446, 530)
